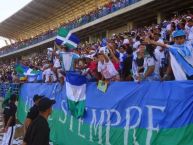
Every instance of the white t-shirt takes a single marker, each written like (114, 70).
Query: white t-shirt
(49, 73)
(187, 28)
(107, 69)
(159, 54)
(136, 44)
(149, 61)
(57, 63)
(168, 27)
(160, 41)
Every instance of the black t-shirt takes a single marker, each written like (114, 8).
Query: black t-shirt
(10, 111)
(140, 62)
(33, 113)
(127, 66)
(38, 132)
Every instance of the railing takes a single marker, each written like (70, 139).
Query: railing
(82, 21)
(29, 43)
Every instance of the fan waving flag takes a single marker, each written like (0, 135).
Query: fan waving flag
(64, 37)
(76, 93)
(21, 69)
(181, 66)
(26, 71)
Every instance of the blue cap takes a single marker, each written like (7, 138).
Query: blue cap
(178, 33)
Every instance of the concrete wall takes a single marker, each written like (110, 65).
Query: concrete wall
(121, 29)
(117, 30)
(97, 36)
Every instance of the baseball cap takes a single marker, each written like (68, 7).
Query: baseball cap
(188, 17)
(36, 97)
(45, 103)
(178, 33)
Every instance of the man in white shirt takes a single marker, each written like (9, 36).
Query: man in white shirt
(49, 76)
(57, 62)
(136, 43)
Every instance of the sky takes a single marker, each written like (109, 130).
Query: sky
(7, 9)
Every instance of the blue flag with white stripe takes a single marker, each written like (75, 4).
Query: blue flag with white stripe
(76, 93)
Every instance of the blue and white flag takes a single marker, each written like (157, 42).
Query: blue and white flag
(64, 37)
(76, 93)
(28, 72)
(179, 73)
(181, 63)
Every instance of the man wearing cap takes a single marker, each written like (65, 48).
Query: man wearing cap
(182, 50)
(9, 121)
(33, 113)
(38, 131)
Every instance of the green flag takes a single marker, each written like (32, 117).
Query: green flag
(19, 69)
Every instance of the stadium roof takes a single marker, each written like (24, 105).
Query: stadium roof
(42, 15)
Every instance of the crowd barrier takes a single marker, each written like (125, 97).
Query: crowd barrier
(149, 113)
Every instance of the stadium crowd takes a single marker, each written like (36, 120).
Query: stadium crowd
(137, 55)
(110, 7)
